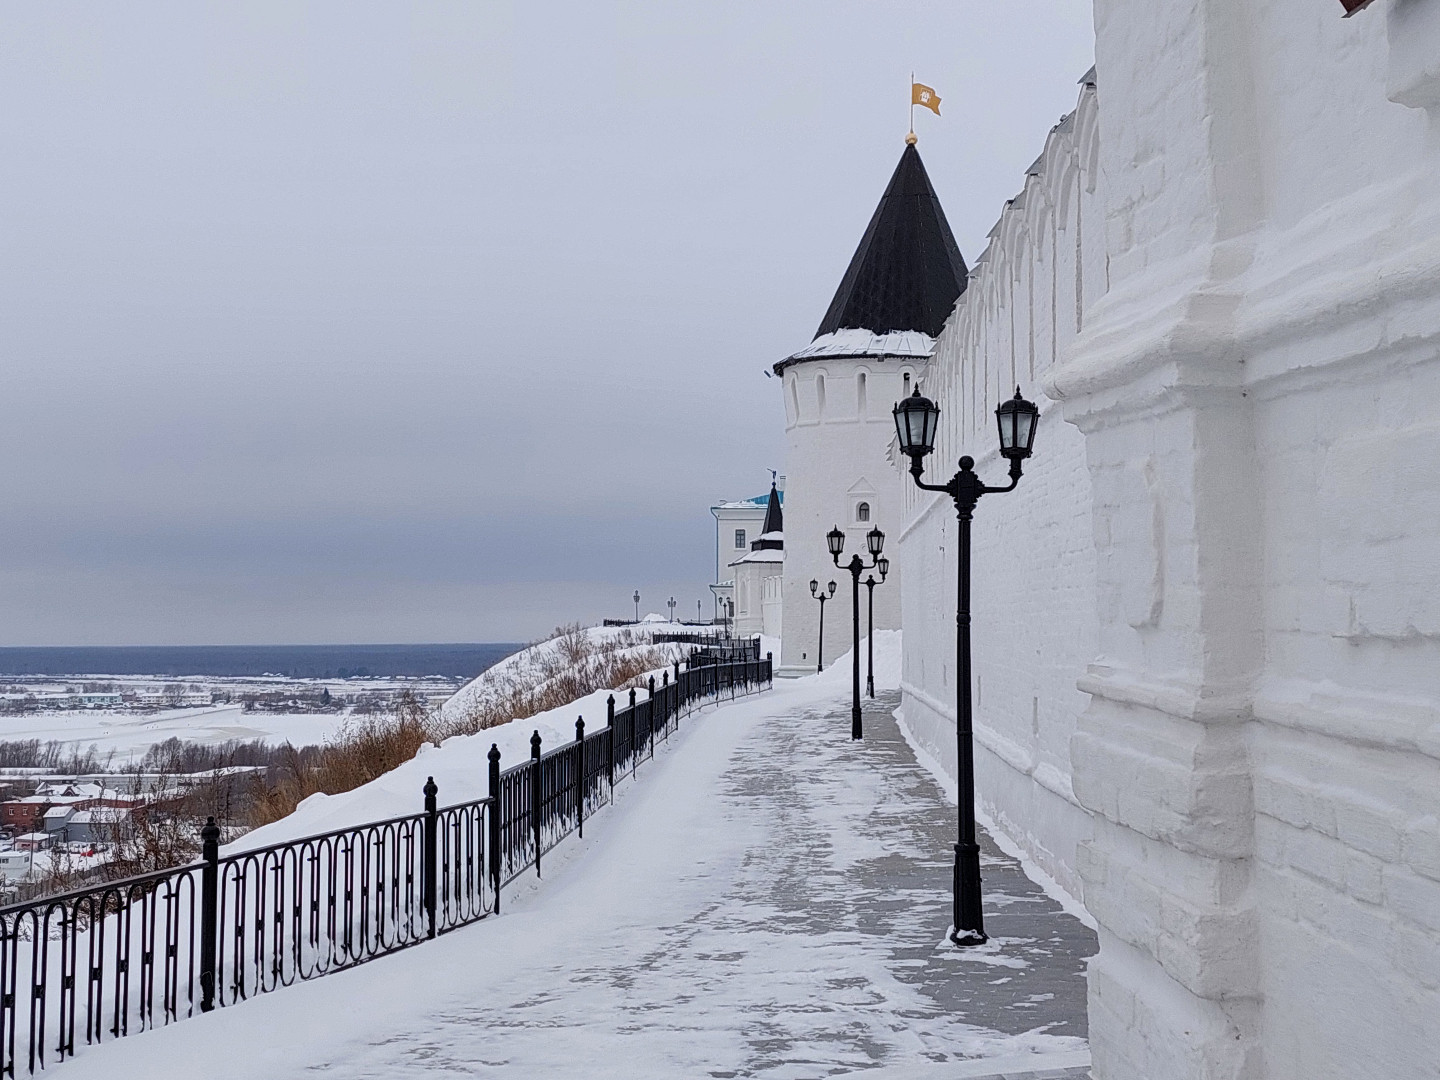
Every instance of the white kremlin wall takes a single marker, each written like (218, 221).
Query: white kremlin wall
(1207, 624)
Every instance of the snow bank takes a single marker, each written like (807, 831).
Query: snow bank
(532, 657)
(461, 768)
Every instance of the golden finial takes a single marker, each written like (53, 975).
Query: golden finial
(911, 140)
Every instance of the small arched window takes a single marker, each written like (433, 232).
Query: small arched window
(820, 393)
(861, 395)
(862, 512)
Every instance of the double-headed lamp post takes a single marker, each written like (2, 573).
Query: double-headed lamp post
(822, 597)
(672, 609)
(636, 598)
(875, 544)
(883, 565)
(916, 420)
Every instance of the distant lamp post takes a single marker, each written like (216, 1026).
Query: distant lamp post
(672, 609)
(698, 616)
(636, 598)
(874, 543)
(883, 565)
(917, 419)
(822, 597)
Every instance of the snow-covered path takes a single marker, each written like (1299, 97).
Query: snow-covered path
(770, 901)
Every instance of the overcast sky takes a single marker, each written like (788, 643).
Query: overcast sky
(359, 322)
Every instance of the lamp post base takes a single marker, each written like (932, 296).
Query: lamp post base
(969, 919)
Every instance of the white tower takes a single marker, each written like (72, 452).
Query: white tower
(872, 346)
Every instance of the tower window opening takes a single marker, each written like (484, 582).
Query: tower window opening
(862, 512)
(739, 538)
(906, 378)
(861, 394)
(820, 392)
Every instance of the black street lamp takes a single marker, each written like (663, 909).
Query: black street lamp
(874, 543)
(636, 598)
(916, 421)
(820, 648)
(883, 565)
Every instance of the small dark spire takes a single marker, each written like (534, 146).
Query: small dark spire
(774, 521)
(907, 272)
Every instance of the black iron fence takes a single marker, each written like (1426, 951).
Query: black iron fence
(130, 955)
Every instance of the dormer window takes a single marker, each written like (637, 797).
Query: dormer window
(862, 511)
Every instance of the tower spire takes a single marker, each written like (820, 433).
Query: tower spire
(907, 272)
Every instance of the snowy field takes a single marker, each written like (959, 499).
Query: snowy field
(736, 912)
(131, 734)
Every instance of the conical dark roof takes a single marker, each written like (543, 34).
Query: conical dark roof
(774, 521)
(907, 272)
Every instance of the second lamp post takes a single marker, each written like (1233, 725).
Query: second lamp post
(875, 544)
(820, 595)
(883, 565)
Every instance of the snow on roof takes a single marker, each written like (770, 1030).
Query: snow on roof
(759, 502)
(764, 555)
(901, 344)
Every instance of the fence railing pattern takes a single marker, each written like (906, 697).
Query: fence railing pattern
(125, 956)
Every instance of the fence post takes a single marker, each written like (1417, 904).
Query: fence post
(610, 750)
(427, 869)
(209, 911)
(769, 667)
(650, 714)
(535, 795)
(494, 757)
(580, 775)
(634, 734)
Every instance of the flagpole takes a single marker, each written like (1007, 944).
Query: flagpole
(912, 103)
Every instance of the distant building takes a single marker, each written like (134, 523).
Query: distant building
(757, 575)
(737, 524)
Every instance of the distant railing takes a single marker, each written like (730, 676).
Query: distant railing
(150, 950)
(728, 651)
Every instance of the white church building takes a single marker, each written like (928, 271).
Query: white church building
(1207, 622)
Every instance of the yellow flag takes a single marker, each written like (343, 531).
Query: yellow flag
(920, 94)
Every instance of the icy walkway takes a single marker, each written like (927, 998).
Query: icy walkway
(770, 901)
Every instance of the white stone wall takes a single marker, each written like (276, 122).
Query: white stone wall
(837, 457)
(1252, 436)
(1033, 591)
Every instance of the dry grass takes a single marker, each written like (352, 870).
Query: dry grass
(370, 746)
(365, 748)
